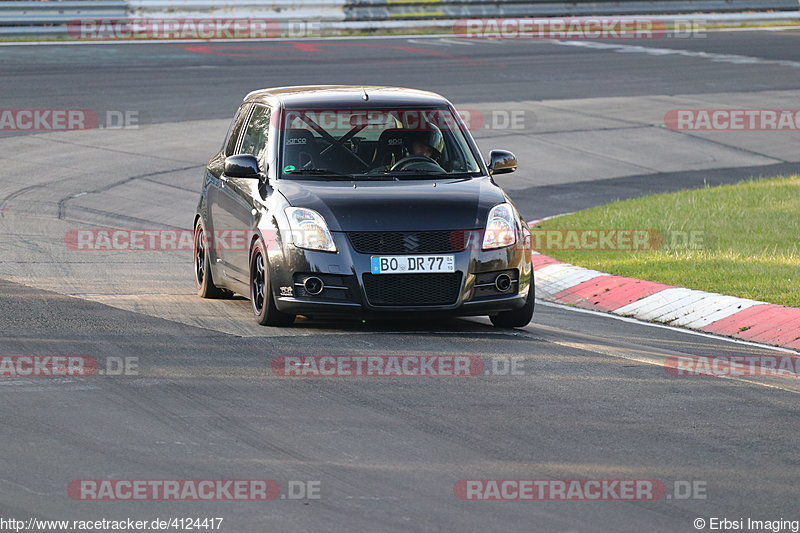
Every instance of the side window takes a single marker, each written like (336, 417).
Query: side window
(235, 129)
(255, 135)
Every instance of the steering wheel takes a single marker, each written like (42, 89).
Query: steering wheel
(419, 162)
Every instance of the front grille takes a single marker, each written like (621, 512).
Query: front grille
(412, 289)
(405, 242)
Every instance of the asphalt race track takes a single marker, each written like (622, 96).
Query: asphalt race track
(593, 400)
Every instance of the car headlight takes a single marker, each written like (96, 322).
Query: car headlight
(309, 229)
(500, 227)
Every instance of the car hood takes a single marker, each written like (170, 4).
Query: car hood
(396, 205)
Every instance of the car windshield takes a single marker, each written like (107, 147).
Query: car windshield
(375, 144)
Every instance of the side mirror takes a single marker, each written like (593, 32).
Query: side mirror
(501, 162)
(242, 166)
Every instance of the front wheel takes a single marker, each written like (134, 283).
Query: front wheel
(266, 314)
(517, 318)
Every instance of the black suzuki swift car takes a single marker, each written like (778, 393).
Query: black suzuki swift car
(360, 202)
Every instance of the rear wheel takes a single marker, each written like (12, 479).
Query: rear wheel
(517, 318)
(266, 314)
(202, 266)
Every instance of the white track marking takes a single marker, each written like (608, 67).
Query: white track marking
(555, 278)
(756, 28)
(462, 42)
(683, 307)
(713, 57)
(656, 359)
(430, 42)
(663, 326)
(442, 42)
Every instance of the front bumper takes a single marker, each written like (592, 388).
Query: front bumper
(345, 293)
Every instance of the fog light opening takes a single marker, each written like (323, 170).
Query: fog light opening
(502, 282)
(313, 285)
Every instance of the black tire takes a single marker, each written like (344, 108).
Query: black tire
(204, 282)
(518, 318)
(266, 314)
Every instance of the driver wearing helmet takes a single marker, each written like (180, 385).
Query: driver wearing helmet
(427, 143)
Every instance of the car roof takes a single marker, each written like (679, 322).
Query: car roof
(344, 96)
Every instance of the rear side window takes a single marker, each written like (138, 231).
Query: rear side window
(255, 139)
(236, 129)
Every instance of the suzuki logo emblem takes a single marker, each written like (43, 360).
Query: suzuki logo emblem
(410, 241)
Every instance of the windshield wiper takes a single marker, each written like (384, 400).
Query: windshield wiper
(318, 172)
(323, 172)
(410, 173)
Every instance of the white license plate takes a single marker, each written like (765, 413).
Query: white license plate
(413, 264)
